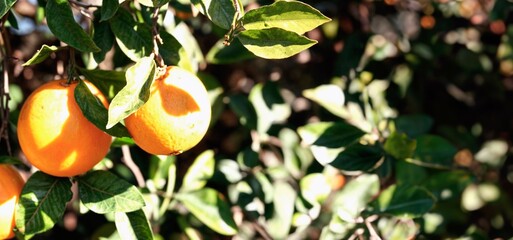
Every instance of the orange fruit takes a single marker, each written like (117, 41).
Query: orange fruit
(54, 134)
(11, 184)
(176, 116)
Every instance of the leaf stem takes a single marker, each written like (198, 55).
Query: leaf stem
(129, 162)
(156, 38)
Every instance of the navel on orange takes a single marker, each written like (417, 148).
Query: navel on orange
(176, 116)
(54, 134)
(11, 184)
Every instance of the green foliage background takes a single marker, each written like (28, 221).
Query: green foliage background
(390, 119)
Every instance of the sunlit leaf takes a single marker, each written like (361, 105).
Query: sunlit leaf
(215, 94)
(404, 201)
(296, 158)
(135, 93)
(104, 192)
(208, 206)
(94, 110)
(62, 24)
(42, 54)
(329, 96)
(315, 187)
(199, 172)
(353, 198)
(221, 12)
(294, 16)
(279, 224)
(108, 82)
(42, 203)
(133, 225)
(269, 105)
(274, 43)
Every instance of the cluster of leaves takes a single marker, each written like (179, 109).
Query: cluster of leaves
(358, 167)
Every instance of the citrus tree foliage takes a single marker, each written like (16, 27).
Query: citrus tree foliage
(330, 119)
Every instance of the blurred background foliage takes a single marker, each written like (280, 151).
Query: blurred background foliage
(397, 124)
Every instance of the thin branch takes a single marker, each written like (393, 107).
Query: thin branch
(129, 162)
(5, 50)
(265, 235)
(156, 38)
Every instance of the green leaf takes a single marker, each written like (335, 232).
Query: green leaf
(400, 146)
(42, 54)
(133, 225)
(294, 16)
(448, 184)
(404, 201)
(42, 203)
(108, 82)
(207, 205)
(269, 105)
(434, 151)
(353, 199)
(11, 20)
(274, 43)
(104, 39)
(330, 134)
(358, 157)
(5, 6)
(221, 12)
(350, 58)
(62, 24)
(296, 157)
(329, 96)
(215, 94)
(135, 93)
(10, 160)
(222, 54)
(170, 48)
(108, 9)
(315, 187)
(134, 39)
(199, 172)
(103, 192)
(241, 106)
(279, 224)
(414, 125)
(94, 110)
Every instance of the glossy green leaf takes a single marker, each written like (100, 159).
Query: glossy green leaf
(11, 20)
(329, 96)
(42, 203)
(404, 201)
(292, 15)
(400, 146)
(269, 105)
(104, 39)
(274, 43)
(108, 82)
(133, 225)
(62, 24)
(244, 110)
(222, 54)
(358, 157)
(221, 12)
(94, 110)
(136, 92)
(413, 125)
(42, 54)
(170, 48)
(199, 172)
(279, 224)
(103, 192)
(207, 205)
(5, 6)
(108, 9)
(434, 151)
(353, 199)
(330, 134)
(134, 39)
(10, 160)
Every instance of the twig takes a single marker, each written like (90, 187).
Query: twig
(5, 49)
(83, 5)
(368, 222)
(129, 162)
(156, 38)
(265, 235)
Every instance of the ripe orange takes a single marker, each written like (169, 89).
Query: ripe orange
(11, 184)
(54, 134)
(175, 117)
